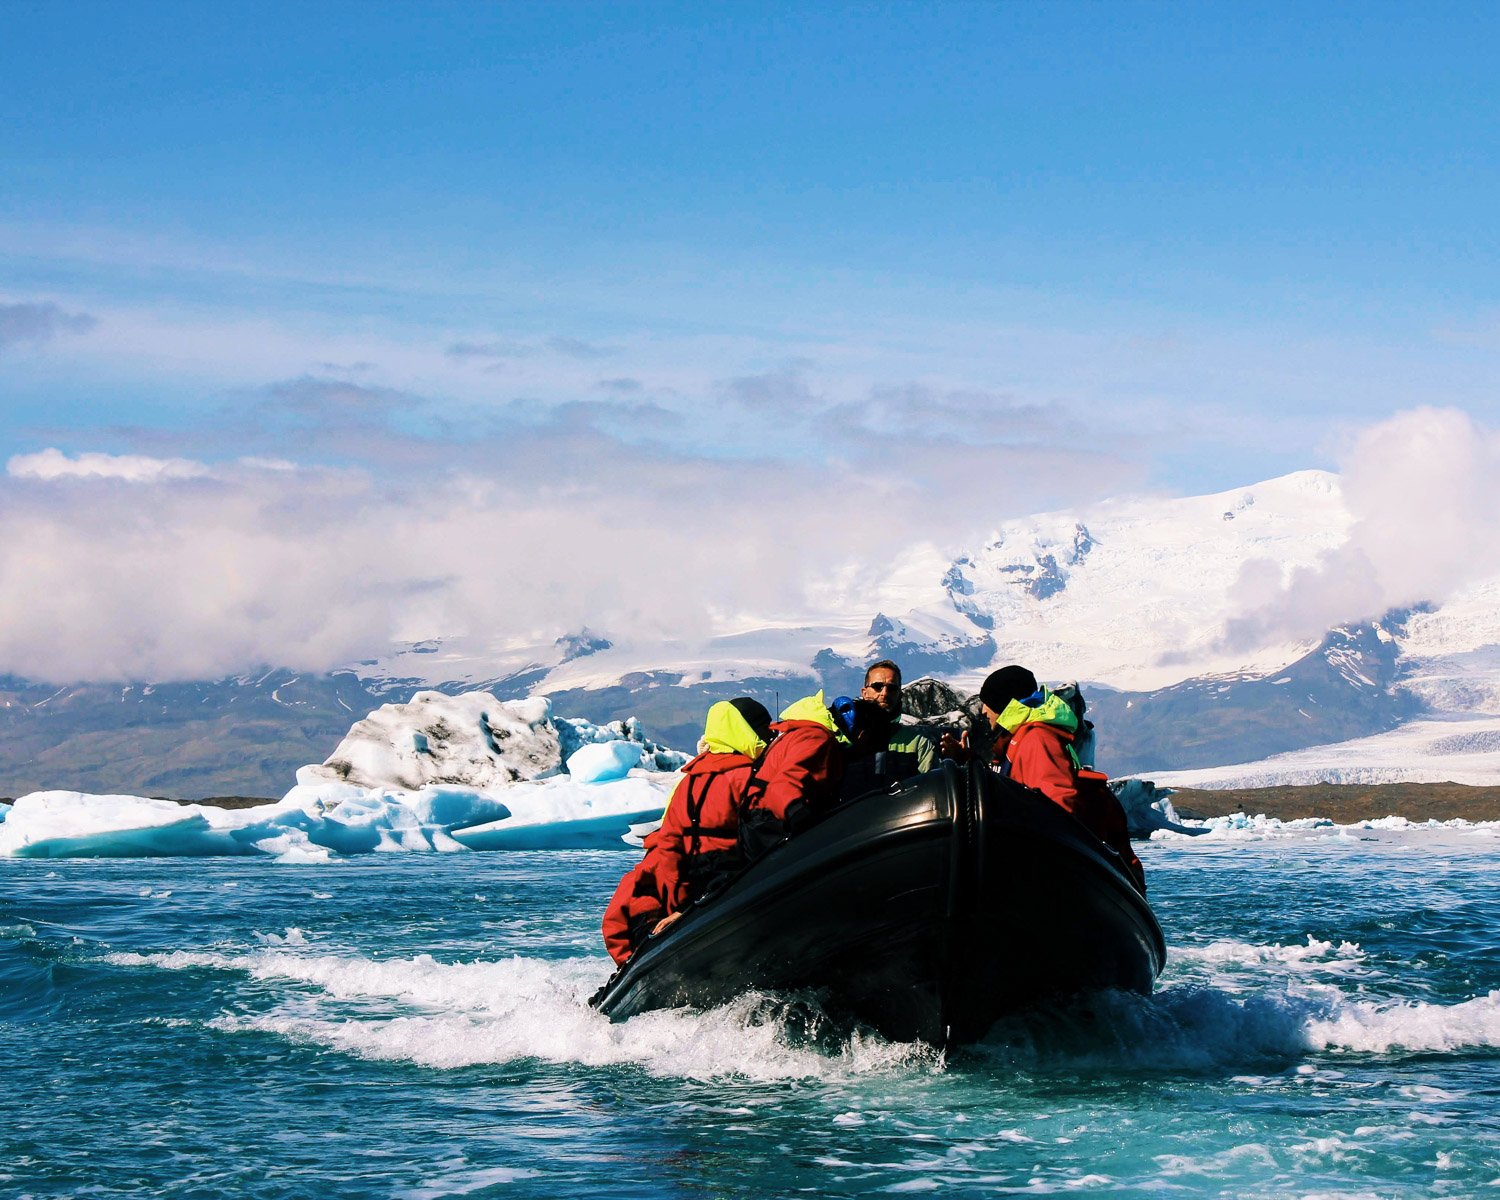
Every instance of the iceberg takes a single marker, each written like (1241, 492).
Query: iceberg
(440, 773)
(603, 761)
(474, 740)
(1148, 808)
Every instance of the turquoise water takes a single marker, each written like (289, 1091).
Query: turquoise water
(414, 1026)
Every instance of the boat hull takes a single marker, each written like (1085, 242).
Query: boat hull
(926, 911)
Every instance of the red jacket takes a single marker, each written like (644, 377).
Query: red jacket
(1038, 757)
(702, 817)
(633, 909)
(803, 763)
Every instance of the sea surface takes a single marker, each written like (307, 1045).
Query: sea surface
(416, 1026)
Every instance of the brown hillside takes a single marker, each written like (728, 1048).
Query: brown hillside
(1347, 802)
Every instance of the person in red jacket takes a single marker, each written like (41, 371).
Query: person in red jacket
(804, 771)
(1033, 733)
(699, 829)
(804, 764)
(1034, 745)
(735, 801)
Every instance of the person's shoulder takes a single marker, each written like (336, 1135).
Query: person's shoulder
(1039, 734)
(710, 763)
(798, 737)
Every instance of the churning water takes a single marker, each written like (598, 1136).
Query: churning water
(416, 1026)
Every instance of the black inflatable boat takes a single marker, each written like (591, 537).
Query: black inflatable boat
(925, 911)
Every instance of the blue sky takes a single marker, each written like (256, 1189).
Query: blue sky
(958, 261)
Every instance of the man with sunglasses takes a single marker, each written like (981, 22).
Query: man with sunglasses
(883, 686)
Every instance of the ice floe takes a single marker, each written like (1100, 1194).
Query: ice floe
(315, 822)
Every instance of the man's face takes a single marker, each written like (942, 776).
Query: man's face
(883, 686)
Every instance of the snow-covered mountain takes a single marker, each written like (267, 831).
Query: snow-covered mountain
(1136, 595)
(1140, 598)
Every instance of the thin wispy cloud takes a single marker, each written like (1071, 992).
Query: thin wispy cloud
(499, 348)
(34, 324)
(571, 347)
(488, 350)
(787, 390)
(333, 399)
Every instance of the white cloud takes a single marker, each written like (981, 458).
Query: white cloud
(1423, 488)
(183, 569)
(522, 532)
(53, 464)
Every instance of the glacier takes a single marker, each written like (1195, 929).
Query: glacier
(1440, 749)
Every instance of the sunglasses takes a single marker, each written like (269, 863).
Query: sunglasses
(884, 687)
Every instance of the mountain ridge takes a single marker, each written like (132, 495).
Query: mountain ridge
(1132, 597)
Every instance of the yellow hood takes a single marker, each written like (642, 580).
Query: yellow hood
(727, 732)
(810, 708)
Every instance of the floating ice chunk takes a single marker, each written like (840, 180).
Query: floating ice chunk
(472, 740)
(601, 762)
(1147, 807)
(562, 813)
(475, 741)
(73, 825)
(574, 732)
(313, 822)
(441, 773)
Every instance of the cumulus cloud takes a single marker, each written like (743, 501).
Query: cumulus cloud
(1423, 488)
(36, 323)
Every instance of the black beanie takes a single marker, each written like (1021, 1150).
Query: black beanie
(755, 715)
(1007, 684)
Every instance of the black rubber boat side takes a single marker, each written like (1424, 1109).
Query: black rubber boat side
(925, 911)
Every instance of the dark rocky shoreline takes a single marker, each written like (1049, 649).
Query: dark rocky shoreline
(1346, 803)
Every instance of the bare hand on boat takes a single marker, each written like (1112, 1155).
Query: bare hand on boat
(956, 748)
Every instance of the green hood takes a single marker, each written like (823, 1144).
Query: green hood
(1053, 710)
